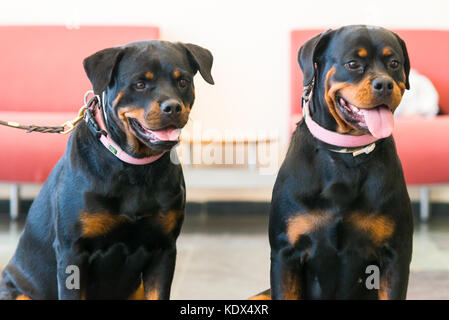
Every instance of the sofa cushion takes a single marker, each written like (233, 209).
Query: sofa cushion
(423, 147)
(29, 157)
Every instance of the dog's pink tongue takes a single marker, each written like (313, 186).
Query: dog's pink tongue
(168, 134)
(380, 121)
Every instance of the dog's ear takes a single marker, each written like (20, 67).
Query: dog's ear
(406, 60)
(201, 59)
(100, 66)
(309, 53)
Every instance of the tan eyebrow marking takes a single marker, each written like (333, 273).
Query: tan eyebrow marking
(362, 53)
(386, 51)
(176, 74)
(149, 75)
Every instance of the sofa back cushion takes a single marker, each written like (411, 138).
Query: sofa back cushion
(41, 66)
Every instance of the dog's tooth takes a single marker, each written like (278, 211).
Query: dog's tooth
(354, 108)
(342, 102)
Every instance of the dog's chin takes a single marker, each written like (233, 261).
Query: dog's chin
(161, 140)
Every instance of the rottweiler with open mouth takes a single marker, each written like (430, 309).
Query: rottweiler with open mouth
(341, 221)
(105, 224)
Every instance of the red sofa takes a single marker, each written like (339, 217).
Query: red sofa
(422, 144)
(43, 82)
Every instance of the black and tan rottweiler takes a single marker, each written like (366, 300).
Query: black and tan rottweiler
(335, 213)
(114, 222)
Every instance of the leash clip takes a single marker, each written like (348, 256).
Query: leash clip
(85, 112)
(71, 124)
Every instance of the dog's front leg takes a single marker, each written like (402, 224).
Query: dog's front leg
(158, 275)
(394, 275)
(70, 268)
(285, 275)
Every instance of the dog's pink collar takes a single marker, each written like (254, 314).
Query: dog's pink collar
(331, 137)
(114, 148)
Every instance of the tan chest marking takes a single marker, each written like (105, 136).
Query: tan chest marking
(379, 228)
(169, 220)
(98, 224)
(306, 223)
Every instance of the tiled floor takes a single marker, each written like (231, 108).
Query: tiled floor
(227, 257)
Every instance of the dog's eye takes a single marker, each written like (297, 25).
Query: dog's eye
(139, 85)
(353, 65)
(182, 83)
(394, 64)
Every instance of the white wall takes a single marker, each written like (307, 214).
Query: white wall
(249, 40)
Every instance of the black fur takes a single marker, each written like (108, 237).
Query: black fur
(330, 262)
(90, 179)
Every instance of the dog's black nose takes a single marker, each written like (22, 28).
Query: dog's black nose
(383, 86)
(171, 107)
